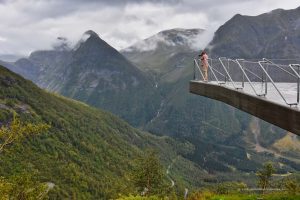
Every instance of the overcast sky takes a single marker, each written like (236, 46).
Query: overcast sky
(28, 25)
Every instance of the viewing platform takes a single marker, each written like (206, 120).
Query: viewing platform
(265, 89)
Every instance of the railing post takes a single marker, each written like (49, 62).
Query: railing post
(243, 83)
(228, 66)
(208, 75)
(266, 82)
(194, 70)
(298, 82)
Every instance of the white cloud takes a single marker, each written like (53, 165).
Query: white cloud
(3, 39)
(33, 24)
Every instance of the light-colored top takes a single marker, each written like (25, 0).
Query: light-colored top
(204, 60)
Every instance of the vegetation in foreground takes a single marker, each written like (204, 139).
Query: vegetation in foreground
(23, 186)
(269, 188)
(86, 154)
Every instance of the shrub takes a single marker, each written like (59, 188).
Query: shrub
(131, 197)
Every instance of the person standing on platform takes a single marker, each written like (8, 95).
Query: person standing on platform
(204, 64)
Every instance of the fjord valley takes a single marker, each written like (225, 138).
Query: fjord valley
(107, 109)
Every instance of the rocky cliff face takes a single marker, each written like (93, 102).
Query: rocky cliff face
(165, 52)
(273, 35)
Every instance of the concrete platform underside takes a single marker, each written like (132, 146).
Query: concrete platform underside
(280, 115)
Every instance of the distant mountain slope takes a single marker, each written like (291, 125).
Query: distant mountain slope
(164, 53)
(272, 35)
(87, 153)
(95, 73)
(208, 124)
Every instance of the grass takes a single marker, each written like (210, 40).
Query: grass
(275, 196)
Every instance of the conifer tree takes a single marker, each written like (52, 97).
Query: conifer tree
(20, 186)
(17, 130)
(148, 174)
(264, 176)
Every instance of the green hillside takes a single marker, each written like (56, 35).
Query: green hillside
(87, 153)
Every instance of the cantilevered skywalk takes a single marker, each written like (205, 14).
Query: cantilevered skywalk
(268, 89)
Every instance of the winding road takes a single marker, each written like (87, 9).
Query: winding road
(172, 181)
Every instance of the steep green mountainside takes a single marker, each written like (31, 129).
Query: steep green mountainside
(95, 73)
(87, 153)
(272, 35)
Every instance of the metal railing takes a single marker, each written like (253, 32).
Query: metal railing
(227, 72)
(248, 79)
(298, 78)
(255, 73)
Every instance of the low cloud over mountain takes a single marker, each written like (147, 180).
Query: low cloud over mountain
(121, 23)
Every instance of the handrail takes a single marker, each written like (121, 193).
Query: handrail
(220, 59)
(247, 61)
(290, 104)
(264, 59)
(237, 61)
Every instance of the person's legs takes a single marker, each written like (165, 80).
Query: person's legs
(205, 68)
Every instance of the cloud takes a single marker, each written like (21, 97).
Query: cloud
(34, 24)
(201, 41)
(3, 39)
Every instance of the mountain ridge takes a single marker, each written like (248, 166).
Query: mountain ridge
(269, 35)
(95, 73)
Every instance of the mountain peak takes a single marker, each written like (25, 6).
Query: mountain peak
(91, 33)
(88, 35)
